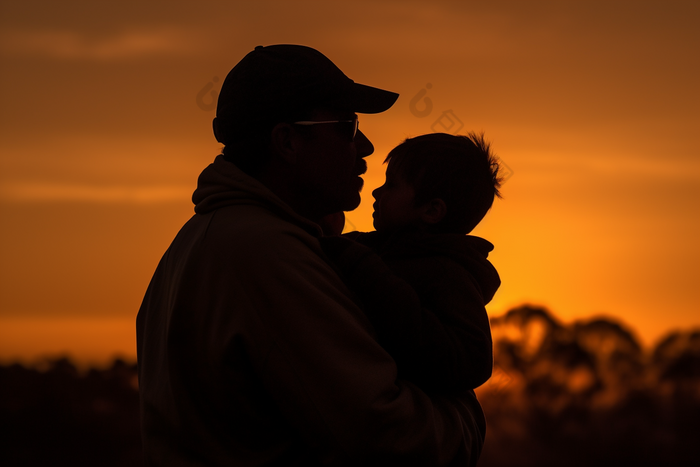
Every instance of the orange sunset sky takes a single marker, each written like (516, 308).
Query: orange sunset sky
(105, 124)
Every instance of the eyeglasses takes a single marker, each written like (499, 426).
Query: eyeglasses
(352, 130)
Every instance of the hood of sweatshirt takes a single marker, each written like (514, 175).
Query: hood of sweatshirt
(222, 184)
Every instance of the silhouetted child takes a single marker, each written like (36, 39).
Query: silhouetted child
(426, 288)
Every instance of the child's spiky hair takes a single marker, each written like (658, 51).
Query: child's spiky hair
(460, 170)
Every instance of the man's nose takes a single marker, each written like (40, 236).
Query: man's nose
(376, 192)
(363, 145)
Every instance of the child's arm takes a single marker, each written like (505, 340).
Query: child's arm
(440, 350)
(451, 293)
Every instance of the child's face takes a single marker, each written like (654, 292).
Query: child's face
(394, 205)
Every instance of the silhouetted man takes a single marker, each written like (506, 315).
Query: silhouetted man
(251, 349)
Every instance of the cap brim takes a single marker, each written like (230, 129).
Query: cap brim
(369, 100)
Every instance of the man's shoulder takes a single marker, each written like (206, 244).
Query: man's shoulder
(241, 230)
(257, 219)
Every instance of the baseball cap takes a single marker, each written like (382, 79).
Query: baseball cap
(277, 79)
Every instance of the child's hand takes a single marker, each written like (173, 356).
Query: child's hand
(333, 224)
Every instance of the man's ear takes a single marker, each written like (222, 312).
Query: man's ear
(434, 211)
(284, 141)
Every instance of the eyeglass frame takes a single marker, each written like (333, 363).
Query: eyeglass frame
(311, 123)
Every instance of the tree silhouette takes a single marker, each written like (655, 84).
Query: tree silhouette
(588, 394)
(57, 416)
(578, 394)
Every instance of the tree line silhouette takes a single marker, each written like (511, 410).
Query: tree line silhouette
(588, 394)
(579, 394)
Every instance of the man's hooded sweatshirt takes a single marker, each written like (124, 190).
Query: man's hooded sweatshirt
(252, 351)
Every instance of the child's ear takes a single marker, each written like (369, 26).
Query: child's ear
(434, 211)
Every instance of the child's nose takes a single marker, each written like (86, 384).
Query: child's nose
(377, 192)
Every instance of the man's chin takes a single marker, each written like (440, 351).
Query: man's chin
(351, 206)
(351, 202)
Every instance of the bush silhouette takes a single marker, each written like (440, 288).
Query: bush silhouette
(58, 417)
(578, 394)
(588, 394)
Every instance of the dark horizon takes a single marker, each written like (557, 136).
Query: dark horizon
(577, 394)
(84, 364)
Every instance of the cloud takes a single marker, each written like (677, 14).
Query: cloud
(56, 192)
(71, 45)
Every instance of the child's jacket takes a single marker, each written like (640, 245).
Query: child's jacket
(428, 305)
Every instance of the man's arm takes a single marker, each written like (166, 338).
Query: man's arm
(335, 384)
